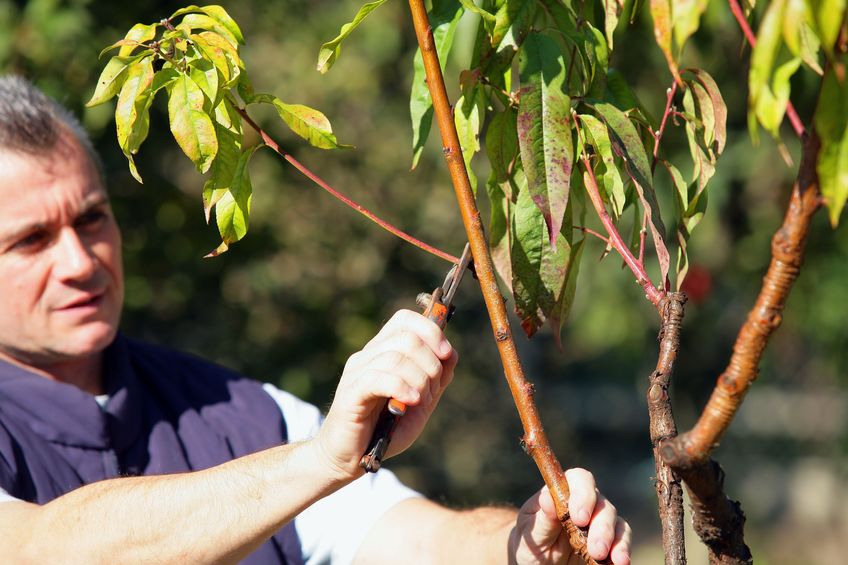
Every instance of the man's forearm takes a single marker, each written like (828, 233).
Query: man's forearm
(217, 515)
(421, 531)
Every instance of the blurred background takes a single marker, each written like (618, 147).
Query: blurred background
(313, 281)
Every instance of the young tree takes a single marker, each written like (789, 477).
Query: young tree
(568, 144)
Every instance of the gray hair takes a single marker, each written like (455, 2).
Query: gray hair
(33, 123)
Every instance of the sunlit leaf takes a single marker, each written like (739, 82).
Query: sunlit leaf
(627, 144)
(499, 229)
(232, 211)
(138, 33)
(111, 80)
(204, 22)
(686, 19)
(512, 15)
(539, 271)
(768, 80)
(223, 170)
(544, 128)
(205, 75)
(612, 183)
(705, 112)
(829, 15)
(831, 120)
(467, 118)
(488, 17)
(443, 19)
(562, 307)
(502, 144)
(597, 52)
(221, 53)
(191, 125)
(612, 10)
(220, 15)
(132, 118)
(718, 104)
(308, 123)
(661, 14)
(330, 51)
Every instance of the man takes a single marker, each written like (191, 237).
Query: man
(116, 451)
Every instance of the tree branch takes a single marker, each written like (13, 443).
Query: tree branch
(787, 250)
(658, 137)
(662, 427)
(652, 293)
(269, 141)
(535, 441)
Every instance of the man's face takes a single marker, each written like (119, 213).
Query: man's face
(61, 281)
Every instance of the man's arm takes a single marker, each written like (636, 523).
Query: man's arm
(216, 515)
(421, 531)
(222, 514)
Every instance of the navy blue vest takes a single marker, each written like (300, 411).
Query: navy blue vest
(167, 413)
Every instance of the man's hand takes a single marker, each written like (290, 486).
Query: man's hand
(410, 360)
(538, 537)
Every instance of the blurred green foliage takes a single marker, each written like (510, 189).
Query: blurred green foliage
(313, 281)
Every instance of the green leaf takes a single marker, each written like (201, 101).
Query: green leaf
(771, 69)
(513, 16)
(182, 11)
(499, 228)
(613, 185)
(612, 10)
(191, 125)
(330, 51)
(618, 92)
(829, 15)
(138, 33)
(539, 271)
(703, 161)
(488, 17)
(831, 119)
(502, 144)
(220, 15)
(308, 123)
(132, 119)
(544, 128)
(467, 118)
(627, 143)
(232, 211)
(204, 22)
(443, 19)
(220, 53)
(205, 75)
(230, 141)
(562, 307)
(595, 47)
(661, 14)
(705, 112)
(718, 106)
(686, 19)
(111, 80)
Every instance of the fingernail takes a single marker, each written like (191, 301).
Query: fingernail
(445, 348)
(581, 517)
(601, 549)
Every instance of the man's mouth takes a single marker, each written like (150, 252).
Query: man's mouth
(87, 301)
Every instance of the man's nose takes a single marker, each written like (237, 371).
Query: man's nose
(74, 259)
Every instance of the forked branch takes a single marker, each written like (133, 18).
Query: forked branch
(535, 441)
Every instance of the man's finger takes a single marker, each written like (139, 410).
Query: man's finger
(409, 321)
(620, 552)
(602, 529)
(583, 497)
(538, 520)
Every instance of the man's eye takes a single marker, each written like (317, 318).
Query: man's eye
(31, 241)
(91, 218)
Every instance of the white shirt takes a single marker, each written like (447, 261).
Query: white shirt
(332, 529)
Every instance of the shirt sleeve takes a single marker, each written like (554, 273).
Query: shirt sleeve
(5, 496)
(332, 529)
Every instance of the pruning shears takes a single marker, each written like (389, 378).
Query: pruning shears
(438, 307)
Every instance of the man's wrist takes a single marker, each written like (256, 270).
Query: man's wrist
(328, 467)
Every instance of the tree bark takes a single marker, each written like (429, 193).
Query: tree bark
(718, 520)
(535, 441)
(662, 428)
(787, 251)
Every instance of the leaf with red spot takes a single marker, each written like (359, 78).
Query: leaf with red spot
(544, 128)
